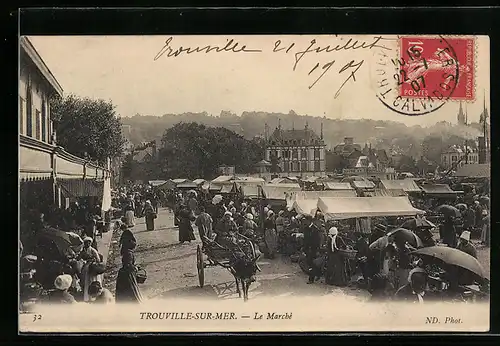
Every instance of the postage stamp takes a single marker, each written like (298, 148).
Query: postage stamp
(430, 66)
(425, 72)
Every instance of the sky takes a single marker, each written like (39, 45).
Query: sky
(124, 69)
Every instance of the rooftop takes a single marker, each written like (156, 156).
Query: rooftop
(304, 136)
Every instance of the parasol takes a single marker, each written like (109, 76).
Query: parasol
(192, 192)
(461, 206)
(448, 210)
(417, 223)
(453, 257)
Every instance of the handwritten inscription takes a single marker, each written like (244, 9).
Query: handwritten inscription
(347, 70)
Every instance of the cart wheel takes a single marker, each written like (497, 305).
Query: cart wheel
(200, 265)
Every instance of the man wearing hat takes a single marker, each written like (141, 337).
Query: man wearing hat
(61, 295)
(465, 245)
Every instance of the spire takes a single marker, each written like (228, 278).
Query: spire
(461, 116)
(466, 117)
(307, 125)
(321, 132)
(293, 125)
(279, 123)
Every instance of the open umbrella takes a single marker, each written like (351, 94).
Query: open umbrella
(454, 257)
(417, 223)
(61, 240)
(461, 206)
(192, 192)
(403, 235)
(448, 210)
(379, 244)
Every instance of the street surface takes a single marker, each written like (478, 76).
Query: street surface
(172, 273)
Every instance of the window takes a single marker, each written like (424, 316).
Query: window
(303, 154)
(38, 134)
(295, 166)
(44, 122)
(316, 154)
(444, 159)
(29, 113)
(285, 154)
(317, 166)
(454, 158)
(303, 167)
(295, 153)
(22, 108)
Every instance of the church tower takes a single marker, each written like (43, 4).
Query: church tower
(461, 116)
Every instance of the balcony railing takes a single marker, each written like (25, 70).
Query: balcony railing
(40, 160)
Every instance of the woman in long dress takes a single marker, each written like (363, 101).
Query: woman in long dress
(127, 288)
(130, 213)
(90, 255)
(127, 239)
(337, 266)
(270, 235)
(186, 232)
(149, 215)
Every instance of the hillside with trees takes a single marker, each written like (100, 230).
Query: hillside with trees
(395, 137)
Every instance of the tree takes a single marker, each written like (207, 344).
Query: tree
(191, 150)
(88, 126)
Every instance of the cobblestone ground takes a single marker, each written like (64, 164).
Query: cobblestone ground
(172, 272)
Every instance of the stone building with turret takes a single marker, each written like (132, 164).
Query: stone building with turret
(296, 152)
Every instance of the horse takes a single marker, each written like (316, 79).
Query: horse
(243, 268)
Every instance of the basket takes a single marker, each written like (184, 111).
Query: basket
(141, 275)
(348, 253)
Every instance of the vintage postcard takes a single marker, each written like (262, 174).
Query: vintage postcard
(317, 183)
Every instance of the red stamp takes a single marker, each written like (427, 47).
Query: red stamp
(440, 68)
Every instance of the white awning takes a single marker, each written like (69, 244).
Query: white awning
(354, 207)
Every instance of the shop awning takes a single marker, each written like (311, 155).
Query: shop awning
(199, 181)
(81, 187)
(482, 170)
(155, 183)
(223, 179)
(354, 207)
(407, 185)
(40, 175)
(439, 190)
(330, 185)
(315, 195)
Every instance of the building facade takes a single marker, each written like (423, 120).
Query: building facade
(455, 157)
(296, 152)
(45, 169)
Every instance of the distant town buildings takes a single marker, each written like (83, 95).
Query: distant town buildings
(296, 152)
(457, 156)
(226, 170)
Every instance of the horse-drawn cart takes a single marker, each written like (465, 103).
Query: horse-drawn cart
(227, 256)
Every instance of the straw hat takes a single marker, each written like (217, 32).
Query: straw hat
(465, 235)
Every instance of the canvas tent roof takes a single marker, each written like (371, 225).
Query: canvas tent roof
(279, 191)
(227, 188)
(407, 185)
(199, 181)
(187, 185)
(305, 206)
(315, 195)
(250, 191)
(353, 207)
(482, 170)
(157, 182)
(178, 181)
(223, 179)
(385, 193)
(330, 185)
(364, 184)
(283, 180)
(438, 190)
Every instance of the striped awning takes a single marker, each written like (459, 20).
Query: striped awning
(82, 187)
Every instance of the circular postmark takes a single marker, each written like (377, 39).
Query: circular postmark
(420, 78)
